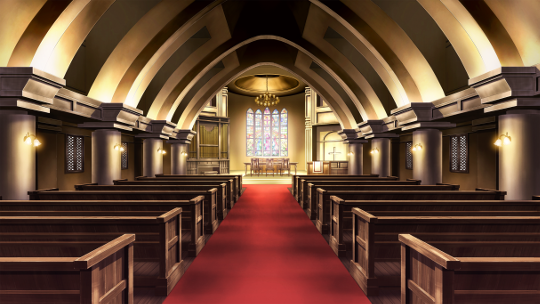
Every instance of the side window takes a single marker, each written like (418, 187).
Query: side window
(74, 154)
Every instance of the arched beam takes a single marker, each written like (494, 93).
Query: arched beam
(314, 31)
(469, 41)
(15, 16)
(521, 19)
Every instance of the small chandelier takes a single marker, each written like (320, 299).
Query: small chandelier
(267, 99)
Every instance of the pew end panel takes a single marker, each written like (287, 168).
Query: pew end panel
(71, 279)
(362, 267)
(171, 264)
(430, 275)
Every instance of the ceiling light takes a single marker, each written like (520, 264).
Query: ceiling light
(267, 99)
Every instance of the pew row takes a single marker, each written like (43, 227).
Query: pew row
(192, 215)
(219, 209)
(157, 251)
(312, 197)
(209, 202)
(237, 179)
(431, 275)
(302, 183)
(230, 182)
(306, 195)
(376, 249)
(341, 217)
(295, 179)
(54, 277)
(324, 202)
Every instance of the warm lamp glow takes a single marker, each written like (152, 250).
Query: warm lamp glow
(375, 151)
(503, 139)
(30, 139)
(161, 151)
(417, 147)
(118, 147)
(350, 154)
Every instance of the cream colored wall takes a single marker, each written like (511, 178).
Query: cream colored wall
(239, 104)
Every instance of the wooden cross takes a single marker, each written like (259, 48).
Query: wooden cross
(334, 153)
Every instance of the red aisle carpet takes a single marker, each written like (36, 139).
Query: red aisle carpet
(267, 251)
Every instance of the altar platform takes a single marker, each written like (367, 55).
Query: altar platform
(263, 179)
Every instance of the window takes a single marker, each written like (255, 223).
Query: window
(266, 133)
(459, 153)
(125, 156)
(408, 156)
(74, 154)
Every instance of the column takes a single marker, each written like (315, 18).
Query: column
(519, 160)
(152, 159)
(356, 157)
(179, 155)
(427, 161)
(17, 158)
(381, 162)
(106, 161)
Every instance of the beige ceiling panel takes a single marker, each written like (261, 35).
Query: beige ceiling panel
(366, 98)
(15, 16)
(68, 45)
(413, 71)
(521, 19)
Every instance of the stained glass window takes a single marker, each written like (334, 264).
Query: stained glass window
(266, 133)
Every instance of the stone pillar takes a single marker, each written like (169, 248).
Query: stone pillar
(427, 163)
(381, 162)
(106, 161)
(519, 161)
(17, 159)
(356, 157)
(179, 157)
(152, 160)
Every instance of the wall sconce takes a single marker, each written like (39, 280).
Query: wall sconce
(350, 154)
(503, 139)
(374, 151)
(118, 147)
(30, 139)
(183, 154)
(161, 151)
(417, 147)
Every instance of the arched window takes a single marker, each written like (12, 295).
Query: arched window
(266, 133)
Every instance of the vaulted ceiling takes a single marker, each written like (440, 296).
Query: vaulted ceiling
(365, 57)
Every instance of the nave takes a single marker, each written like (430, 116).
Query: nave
(266, 251)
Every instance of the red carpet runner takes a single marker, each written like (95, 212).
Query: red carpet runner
(267, 251)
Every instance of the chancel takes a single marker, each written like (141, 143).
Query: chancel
(269, 151)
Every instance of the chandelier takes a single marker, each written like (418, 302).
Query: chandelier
(267, 99)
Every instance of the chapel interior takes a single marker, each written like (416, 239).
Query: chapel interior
(270, 151)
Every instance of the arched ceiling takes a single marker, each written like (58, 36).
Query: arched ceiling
(365, 57)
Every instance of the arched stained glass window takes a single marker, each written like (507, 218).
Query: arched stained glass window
(266, 133)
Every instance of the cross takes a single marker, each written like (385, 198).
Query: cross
(334, 153)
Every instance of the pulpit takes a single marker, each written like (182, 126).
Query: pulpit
(327, 167)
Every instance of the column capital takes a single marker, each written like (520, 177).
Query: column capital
(508, 88)
(28, 88)
(374, 129)
(350, 136)
(182, 137)
(115, 116)
(158, 129)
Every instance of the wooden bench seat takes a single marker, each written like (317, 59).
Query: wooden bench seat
(237, 186)
(219, 209)
(230, 197)
(340, 230)
(306, 195)
(296, 179)
(375, 239)
(159, 239)
(324, 202)
(192, 215)
(311, 199)
(209, 203)
(431, 274)
(57, 277)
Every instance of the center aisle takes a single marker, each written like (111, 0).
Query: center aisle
(267, 251)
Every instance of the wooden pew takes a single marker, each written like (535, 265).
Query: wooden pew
(220, 207)
(237, 178)
(310, 194)
(324, 202)
(296, 179)
(209, 203)
(341, 217)
(376, 249)
(54, 277)
(430, 274)
(157, 250)
(230, 198)
(192, 214)
(536, 197)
